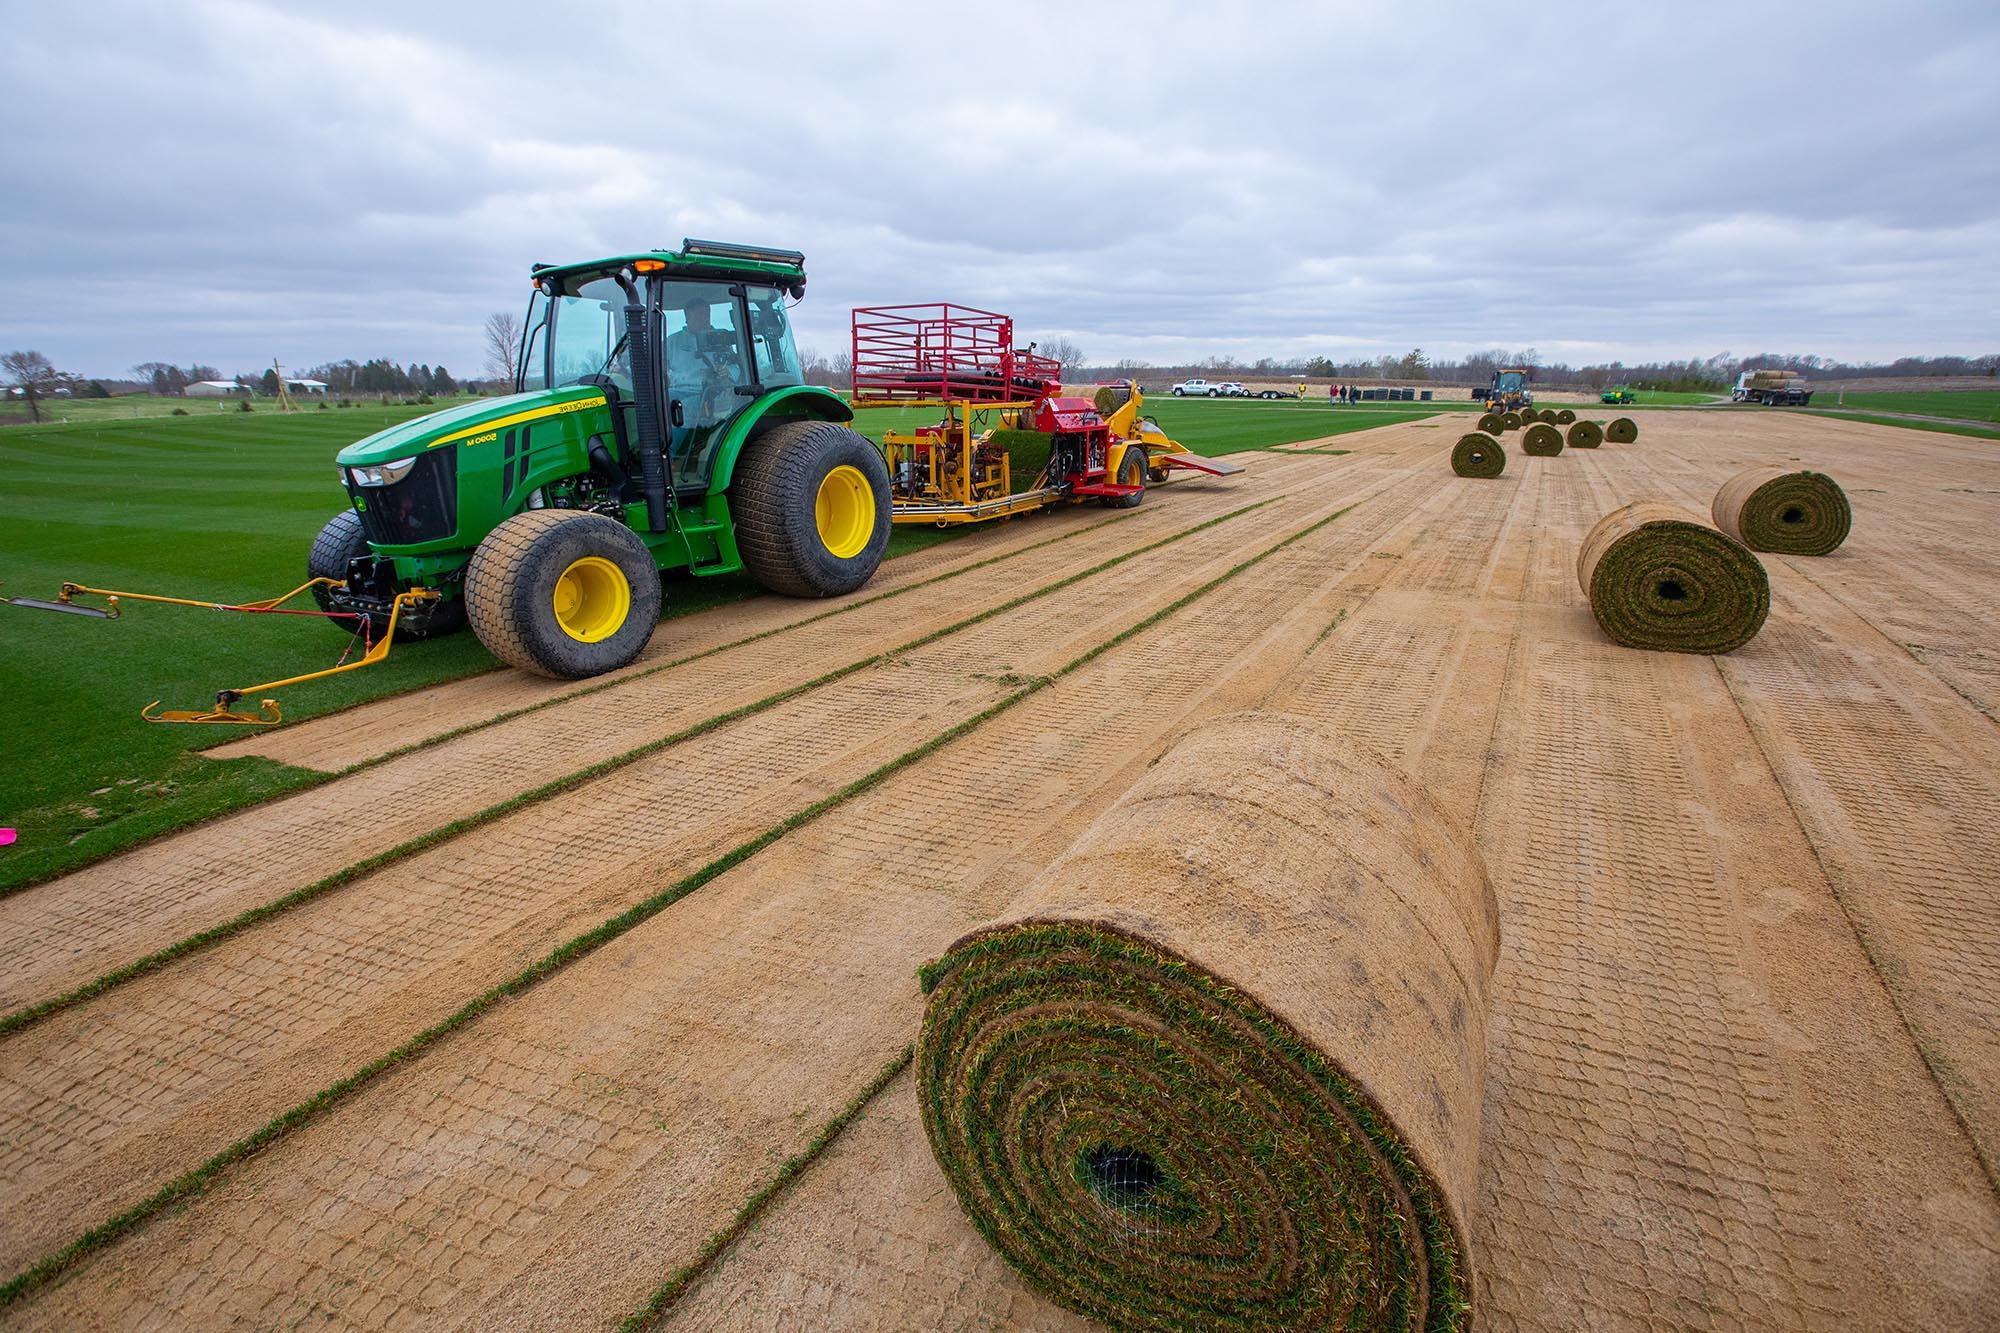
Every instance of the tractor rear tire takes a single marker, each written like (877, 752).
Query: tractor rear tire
(811, 504)
(1131, 472)
(563, 593)
(341, 541)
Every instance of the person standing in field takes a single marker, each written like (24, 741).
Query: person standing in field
(1333, 395)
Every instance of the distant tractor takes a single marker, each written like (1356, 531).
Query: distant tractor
(1509, 391)
(1620, 395)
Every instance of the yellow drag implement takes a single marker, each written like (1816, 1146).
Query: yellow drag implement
(268, 714)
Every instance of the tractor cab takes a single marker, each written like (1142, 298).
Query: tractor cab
(1509, 390)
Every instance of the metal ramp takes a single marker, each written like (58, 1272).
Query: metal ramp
(1214, 467)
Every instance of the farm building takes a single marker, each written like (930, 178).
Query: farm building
(217, 389)
(306, 386)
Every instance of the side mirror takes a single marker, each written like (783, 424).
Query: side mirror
(674, 414)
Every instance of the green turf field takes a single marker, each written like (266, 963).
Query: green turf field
(222, 506)
(1958, 404)
(139, 406)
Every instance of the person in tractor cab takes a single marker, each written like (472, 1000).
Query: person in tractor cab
(703, 367)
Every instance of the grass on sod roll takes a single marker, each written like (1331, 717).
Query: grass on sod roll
(1478, 455)
(1542, 440)
(1584, 435)
(1659, 578)
(1790, 513)
(1621, 430)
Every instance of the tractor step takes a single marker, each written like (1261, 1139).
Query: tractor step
(1214, 467)
(1106, 488)
(37, 604)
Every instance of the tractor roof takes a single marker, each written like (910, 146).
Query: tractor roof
(695, 259)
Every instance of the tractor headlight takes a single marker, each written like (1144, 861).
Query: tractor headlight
(384, 474)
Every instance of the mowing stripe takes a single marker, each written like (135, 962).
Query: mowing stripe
(196, 1180)
(320, 779)
(28, 1015)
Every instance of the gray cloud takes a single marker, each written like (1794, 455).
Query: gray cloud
(226, 182)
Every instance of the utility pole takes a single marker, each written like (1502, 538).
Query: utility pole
(284, 394)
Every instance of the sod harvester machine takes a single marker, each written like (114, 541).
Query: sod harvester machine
(1509, 391)
(1006, 440)
(659, 421)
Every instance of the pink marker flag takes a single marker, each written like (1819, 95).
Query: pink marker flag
(6, 837)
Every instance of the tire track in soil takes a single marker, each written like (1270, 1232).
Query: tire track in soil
(103, 1104)
(1702, 1110)
(626, 1104)
(63, 933)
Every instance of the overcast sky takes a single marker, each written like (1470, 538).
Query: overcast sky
(225, 183)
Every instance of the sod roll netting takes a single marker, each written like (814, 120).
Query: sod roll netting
(1478, 455)
(1542, 440)
(1584, 435)
(1222, 1065)
(1788, 513)
(1658, 577)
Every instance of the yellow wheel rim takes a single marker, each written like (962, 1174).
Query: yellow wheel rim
(845, 511)
(592, 599)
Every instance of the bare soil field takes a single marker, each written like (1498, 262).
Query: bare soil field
(1744, 1039)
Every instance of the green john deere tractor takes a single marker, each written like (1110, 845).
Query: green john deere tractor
(659, 422)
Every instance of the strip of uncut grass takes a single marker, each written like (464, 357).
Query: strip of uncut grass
(683, 1279)
(196, 1180)
(719, 1244)
(1909, 423)
(236, 925)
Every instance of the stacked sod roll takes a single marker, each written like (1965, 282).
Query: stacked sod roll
(1788, 513)
(1542, 440)
(1622, 430)
(1658, 577)
(1584, 435)
(1221, 1065)
(1478, 455)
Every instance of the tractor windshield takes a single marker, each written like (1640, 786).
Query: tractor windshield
(589, 336)
(1512, 382)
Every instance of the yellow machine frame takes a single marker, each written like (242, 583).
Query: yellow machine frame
(269, 714)
(953, 487)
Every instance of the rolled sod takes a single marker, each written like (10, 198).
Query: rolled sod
(1542, 440)
(1491, 423)
(1510, 421)
(1790, 513)
(1109, 398)
(1584, 435)
(1622, 430)
(1221, 1065)
(1565, 416)
(1658, 577)
(1478, 455)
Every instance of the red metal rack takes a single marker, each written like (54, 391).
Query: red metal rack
(944, 351)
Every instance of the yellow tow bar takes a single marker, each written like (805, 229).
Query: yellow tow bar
(268, 714)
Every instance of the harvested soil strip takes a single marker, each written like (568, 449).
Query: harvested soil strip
(101, 1105)
(1242, 1087)
(629, 1103)
(1701, 1109)
(1790, 513)
(67, 931)
(368, 731)
(1659, 578)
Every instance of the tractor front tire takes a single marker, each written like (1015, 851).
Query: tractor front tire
(341, 541)
(563, 593)
(811, 504)
(1131, 472)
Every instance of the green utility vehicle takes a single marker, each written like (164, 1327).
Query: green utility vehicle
(659, 422)
(1619, 395)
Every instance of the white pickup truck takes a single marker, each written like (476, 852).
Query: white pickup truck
(1197, 389)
